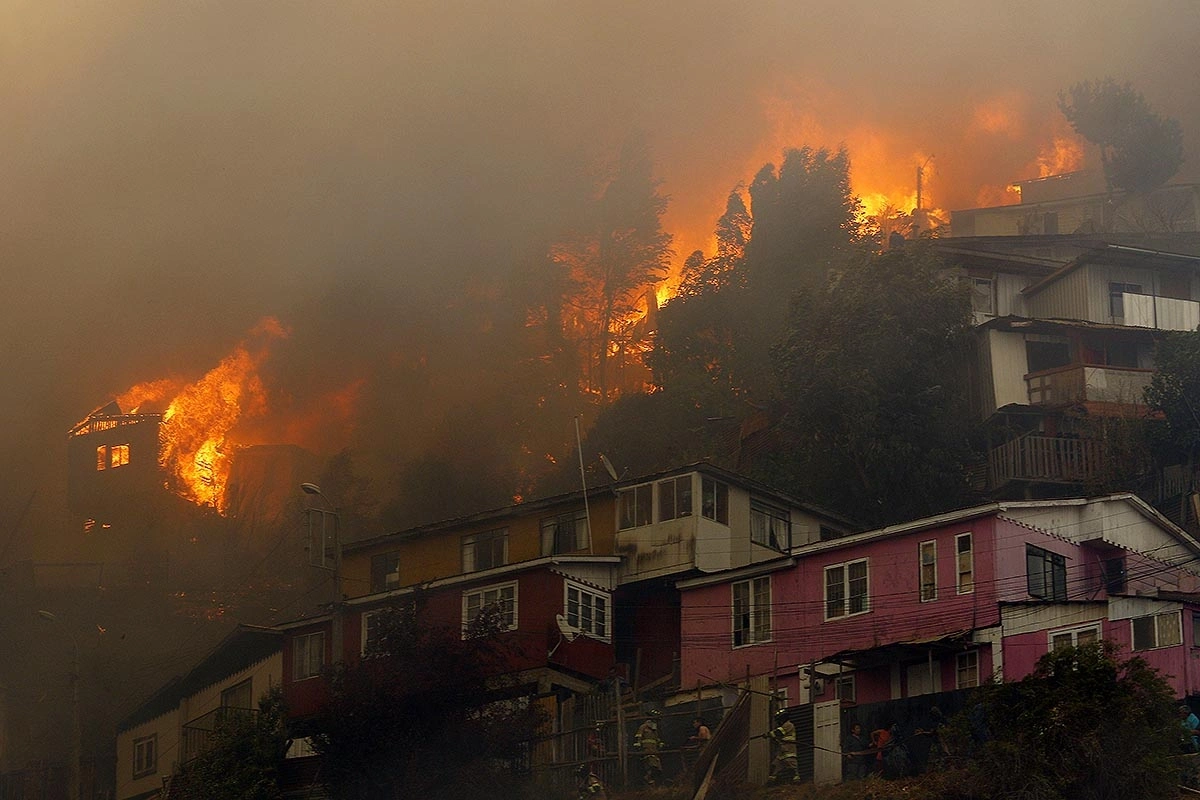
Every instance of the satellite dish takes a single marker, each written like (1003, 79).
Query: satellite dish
(565, 629)
(612, 471)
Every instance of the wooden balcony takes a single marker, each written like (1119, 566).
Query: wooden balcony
(1046, 459)
(1082, 383)
(198, 732)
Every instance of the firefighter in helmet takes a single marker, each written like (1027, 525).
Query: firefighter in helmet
(784, 767)
(648, 744)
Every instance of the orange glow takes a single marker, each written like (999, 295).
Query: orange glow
(1064, 154)
(195, 437)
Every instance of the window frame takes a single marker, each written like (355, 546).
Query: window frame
(675, 487)
(471, 545)
(511, 623)
(379, 577)
(145, 755)
(364, 629)
(964, 586)
(1115, 290)
(303, 655)
(1073, 632)
(716, 508)
(844, 584)
(600, 610)
(1054, 566)
(976, 283)
(549, 527)
(927, 587)
(966, 663)
(228, 694)
(840, 682)
(754, 610)
(771, 513)
(641, 513)
(1157, 628)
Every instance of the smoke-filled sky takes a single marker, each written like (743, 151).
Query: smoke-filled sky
(174, 171)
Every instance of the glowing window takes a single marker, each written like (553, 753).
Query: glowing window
(102, 457)
(118, 455)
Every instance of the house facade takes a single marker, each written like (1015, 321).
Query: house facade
(946, 603)
(173, 726)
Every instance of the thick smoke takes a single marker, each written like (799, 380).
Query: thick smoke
(369, 173)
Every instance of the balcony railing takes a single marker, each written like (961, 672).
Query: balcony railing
(1079, 383)
(1052, 459)
(198, 732)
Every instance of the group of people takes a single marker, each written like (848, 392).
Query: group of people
(647, 742)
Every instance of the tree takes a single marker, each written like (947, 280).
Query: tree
(873, 375)
(425, 713)
(243, 756)
(1139, 149)
(1082, 726)
(621, 256)
(1174, 389)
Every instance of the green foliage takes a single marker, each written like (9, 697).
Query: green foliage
(1082, 726)
(873, 372)
(1174, 389)
(1140, 149)
(241, 762)
(423, 714)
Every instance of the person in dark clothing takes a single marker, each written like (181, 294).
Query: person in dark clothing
(856, 754)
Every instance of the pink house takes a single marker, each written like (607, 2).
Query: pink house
(946, 603)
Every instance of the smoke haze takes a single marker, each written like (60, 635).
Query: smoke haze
(365, 172)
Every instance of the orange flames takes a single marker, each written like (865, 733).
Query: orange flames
(196, 441)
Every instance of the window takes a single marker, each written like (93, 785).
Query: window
(485, 550)
(1075, 637)
(102, 457)
(238, 696)
(112, 456)
(675, 498)
(1195, 629)
(965, 563)
(370, 630)
(1157, 630)
(145, 755)
(966, 669)
(751, 611)
(843, 688)
(503, 599)
(587, 611)
(308, 655)
(846, 589)
(928, 570)
(636, 506)
(1116, 303)
(983, 296)
(1114, 575)
(1046, 573)
(1042, 355)
(770, 526)
(385, 572)
(566, 533)
(714, 500)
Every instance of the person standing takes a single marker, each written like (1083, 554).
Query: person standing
(1191, 729)
(856, 750)
(784, 736)
(648, 744)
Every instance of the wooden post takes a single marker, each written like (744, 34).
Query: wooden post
(621, 744)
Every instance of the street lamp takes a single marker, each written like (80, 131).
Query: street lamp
(74, 756)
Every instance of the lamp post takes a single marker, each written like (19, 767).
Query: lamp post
(74, 756)
(336, 632)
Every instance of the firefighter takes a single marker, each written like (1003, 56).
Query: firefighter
(784, 767)
(648, 744)
(590, 785)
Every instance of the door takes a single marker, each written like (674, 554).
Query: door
(827, 739)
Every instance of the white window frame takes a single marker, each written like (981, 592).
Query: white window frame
(482, 593)
(844, 688)
(966, 586)
(641, 513)
(845, 599)
(308, 655)
(365, 627)
(716, 508)
(770, 526)
(470, 549)
(988, 285)
(1093, 627)
(927, 587)
(1167, 617)
(145, 755)
(679, 485)
(966, 663)
(593, 610)
(759, 626)
(581, 529)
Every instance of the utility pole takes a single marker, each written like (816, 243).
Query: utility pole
(74, 744)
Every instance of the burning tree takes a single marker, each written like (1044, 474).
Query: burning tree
(615, 265)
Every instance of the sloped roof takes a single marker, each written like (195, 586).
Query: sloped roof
(244, 646)
(1120, 255)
